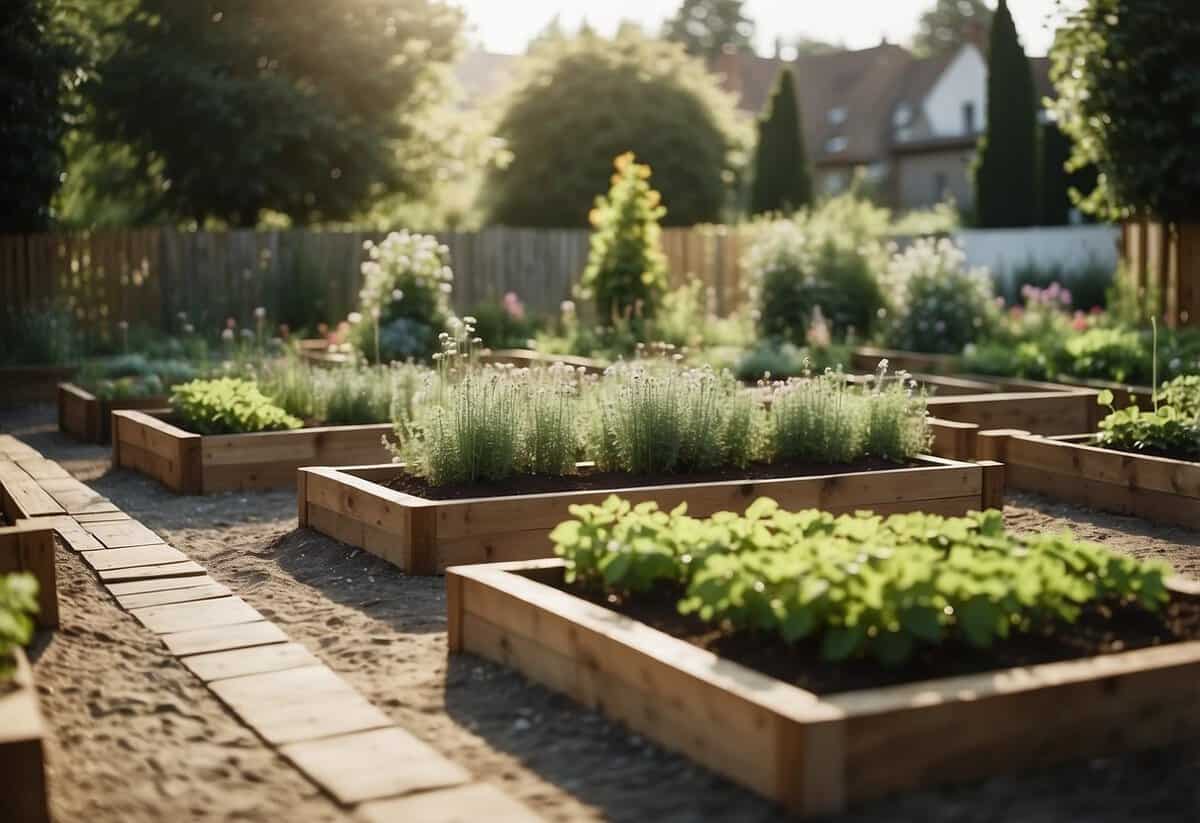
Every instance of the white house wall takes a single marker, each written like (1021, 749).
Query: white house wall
(964, 80)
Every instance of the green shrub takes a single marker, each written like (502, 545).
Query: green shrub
(656, 418)
(1087, 284)
(40, 338)
(626, 273)
(404, 300)
(775, 360)
(504, 324)
(864, 585)
(18, 604)
(228, 405)
(129, 376)
(940, 305)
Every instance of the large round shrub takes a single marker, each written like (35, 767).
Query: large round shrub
(941, 305)
(581, 102)
(404, 301)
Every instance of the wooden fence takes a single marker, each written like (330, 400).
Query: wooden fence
(1163, 259)
(149, 276)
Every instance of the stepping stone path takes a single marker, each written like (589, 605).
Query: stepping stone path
(315, 719)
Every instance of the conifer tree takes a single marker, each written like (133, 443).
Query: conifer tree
(781, 178)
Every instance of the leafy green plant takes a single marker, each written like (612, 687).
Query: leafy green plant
(1167, 431)
(1182, 393)
(626, 273)
(18, 604)
(863, 585)
(941, 305)
(228, 405)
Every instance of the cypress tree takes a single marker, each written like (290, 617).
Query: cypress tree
(781, 178)
(1006, 164)
(1054, 185)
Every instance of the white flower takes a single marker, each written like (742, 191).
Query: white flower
(446, 288)
(397, 294)
(354, 317)
(260, 312)
(227, 335)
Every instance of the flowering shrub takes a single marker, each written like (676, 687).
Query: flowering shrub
(404, 300)
(941, 305)
(504, 324)
(798, 266)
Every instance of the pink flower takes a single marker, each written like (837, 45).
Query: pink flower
(230, 323)
(513, 305)
(1079, 321)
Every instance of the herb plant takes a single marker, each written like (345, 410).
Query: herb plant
(228, 405)
(1170, 430)
(864, 585)
(18, 604)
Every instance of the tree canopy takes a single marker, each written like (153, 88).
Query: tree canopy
(1128, 80)
(1006, 165)
(580, 102)
(781, 177)
(706, 28)
(950, 23)
(305, 108)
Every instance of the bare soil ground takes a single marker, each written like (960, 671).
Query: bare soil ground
(107, 687)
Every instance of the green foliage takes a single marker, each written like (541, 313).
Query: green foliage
(655, 418)
(1056, 178)
(129, 376)
(1005, 169)
(825, 259)
(38, 338)
(862, 585)
(1182, 393)
(775, 360)
(18, 604)
(581, 102)
(940, 304)
(1167, 431)
(1110, 57)
(228, 405)
(504, 324)
(626, 273)
(254, 106)
(826, 420)
(948, 24)
(36, 58)
(708, 28)
(1088, 283)
(343, 396)
(404, 300)
(782, 182)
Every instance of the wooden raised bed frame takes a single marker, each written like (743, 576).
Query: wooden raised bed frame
(812, 754)
(86, 417)
(29, 547)
(958, 418)
(191, 463)
(22, 752)
(424, 536)
(1071, 470)
(31, 384)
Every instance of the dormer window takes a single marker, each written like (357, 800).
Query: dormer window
(968, 115)
(902, 116)
(835, 144)
(837, 115)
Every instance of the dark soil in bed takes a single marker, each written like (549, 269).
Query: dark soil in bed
(590, 480)
(1101, 629)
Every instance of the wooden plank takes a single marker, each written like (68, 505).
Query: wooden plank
(22, 749)
(28, 548)
(298, 704)
(461, 804)
(251, 660)
(158, 585)
(123, 534)
(22, 496)
(12, 449)
(154, 555)
(186, 569)
(167, 596)
(1178, 477)
(1039, 412)
(373, 764)
(40, 468)
(201, 614)
(1160, 507)
(223, 638)
(102, 517)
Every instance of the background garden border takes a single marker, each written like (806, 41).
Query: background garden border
(86, 417)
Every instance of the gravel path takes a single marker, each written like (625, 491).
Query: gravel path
(385, 633)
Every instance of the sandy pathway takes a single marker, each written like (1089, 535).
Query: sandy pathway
(384, 632)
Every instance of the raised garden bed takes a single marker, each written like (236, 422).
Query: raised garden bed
(191, 463)
(22, 750)
(527, 358)
(86, 417)
(818, 754)
(960, 417)
(29, 547)
(867, 358)
(316, 351)
(1072, 470)
(31, 384)
(424, 536)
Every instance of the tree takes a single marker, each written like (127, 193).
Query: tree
(583, 101)
(626, 271)
(242, 107)
(706, 28)
(1128, 82)
(781, 178)
(1005, 168)
(32, 119)
(942, 29)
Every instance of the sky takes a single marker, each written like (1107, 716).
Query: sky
(507, 25)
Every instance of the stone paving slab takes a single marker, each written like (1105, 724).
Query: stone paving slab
(185, 569)
(223, 638)
(201, 614)
(374, 764)
(141, 600)
(106, 559)
(160, 585)
(298, 704)
(252, 660)
(123, 534)
(474, 803)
